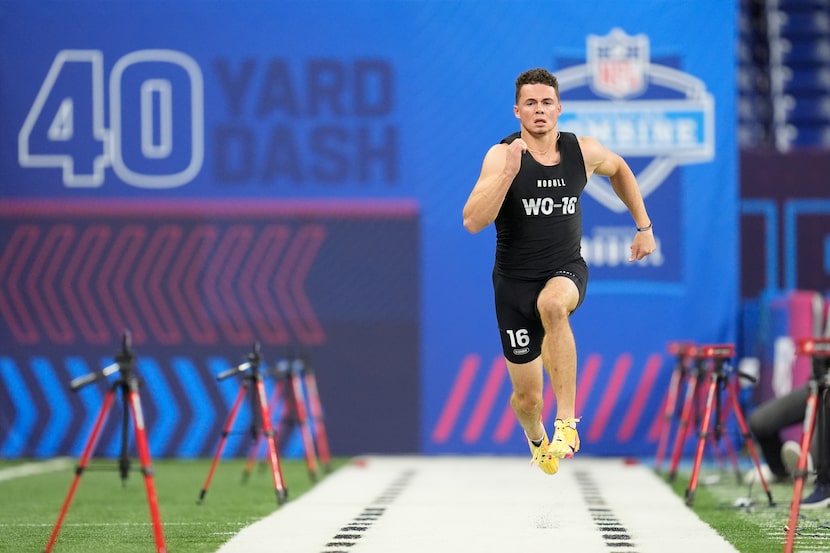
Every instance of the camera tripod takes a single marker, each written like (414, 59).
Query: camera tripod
(296, 403)
(315, 408)
(718, 356)
(297, 390)
(689, 367)
(253, 386)
(818, 349)
(127, 385)
(683, 353)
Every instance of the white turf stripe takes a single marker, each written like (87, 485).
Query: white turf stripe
(30, 469)
(482, 504)
(166, 523)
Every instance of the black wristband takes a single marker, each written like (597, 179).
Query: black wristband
(643, 229)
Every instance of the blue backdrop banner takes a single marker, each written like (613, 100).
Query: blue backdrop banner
(211, 174)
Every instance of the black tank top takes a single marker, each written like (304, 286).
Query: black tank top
(539, 225)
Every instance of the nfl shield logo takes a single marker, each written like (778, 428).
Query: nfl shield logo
(618, 63)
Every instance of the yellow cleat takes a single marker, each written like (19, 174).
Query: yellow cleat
(565, 439)
(542, 457)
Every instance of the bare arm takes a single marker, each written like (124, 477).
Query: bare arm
(602, 161)
(499, 168)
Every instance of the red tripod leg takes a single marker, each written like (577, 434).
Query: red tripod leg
(91, 443)
(801, 467)
(684, 425)
(275, 406)
(282, 424)
(668, 414)
(298, 398)
(225, 431)
(276, 469)
(316, 408)
(701, 442)
(146, 468)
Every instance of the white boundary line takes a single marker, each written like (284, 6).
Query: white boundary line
(30, 469)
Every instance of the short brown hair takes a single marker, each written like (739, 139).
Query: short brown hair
(538, 75)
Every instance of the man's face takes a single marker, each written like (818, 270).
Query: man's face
(538, 108)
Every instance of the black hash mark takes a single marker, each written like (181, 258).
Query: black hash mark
(348, 536)
(615, 535)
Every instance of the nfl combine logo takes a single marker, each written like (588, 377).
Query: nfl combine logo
(641, 110)
(618, 64)
(654, 115)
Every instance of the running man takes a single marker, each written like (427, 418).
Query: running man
(530, 184)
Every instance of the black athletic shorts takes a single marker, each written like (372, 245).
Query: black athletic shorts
(520, 325)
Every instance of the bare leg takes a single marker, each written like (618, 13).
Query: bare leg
(526, 399)
(556, 302)
(559, 352)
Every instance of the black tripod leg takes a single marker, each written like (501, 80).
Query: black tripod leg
(255, 432)
(91, 443)
(253, 455)
(124, 457)
(722, 418)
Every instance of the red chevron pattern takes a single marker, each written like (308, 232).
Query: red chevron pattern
(78, 281)
(14, 309)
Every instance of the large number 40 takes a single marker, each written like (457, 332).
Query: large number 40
(155, 137)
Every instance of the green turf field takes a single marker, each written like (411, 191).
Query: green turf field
(756, 527)
(107, 516)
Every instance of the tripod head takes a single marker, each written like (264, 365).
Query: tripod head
(681, 349)
(683, 353)
(716, 351)
(719, 355)
(819, 350)
(292, 364)
(253, 360)
(124, 362)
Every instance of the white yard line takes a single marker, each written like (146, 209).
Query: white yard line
(30, 469)
(483, 504)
